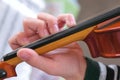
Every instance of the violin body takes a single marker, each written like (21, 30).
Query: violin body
(101, 33)
(104, 40)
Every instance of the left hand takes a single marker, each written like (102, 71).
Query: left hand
(67, 61)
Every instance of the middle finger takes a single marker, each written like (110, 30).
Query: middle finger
(51, 22)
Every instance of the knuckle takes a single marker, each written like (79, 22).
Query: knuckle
(41, 23)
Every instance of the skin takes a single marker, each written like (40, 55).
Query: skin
(67, 61)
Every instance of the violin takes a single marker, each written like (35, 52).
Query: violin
(101, 34)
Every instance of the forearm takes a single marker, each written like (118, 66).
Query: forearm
(81, 71)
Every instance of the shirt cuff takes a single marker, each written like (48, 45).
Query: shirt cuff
(92, 71)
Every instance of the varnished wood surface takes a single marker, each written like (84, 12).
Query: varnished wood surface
(104, 41)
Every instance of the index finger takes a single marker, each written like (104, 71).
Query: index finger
(34, 26)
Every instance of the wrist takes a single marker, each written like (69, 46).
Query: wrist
(73, 78)
(77, 77)
(82, 71)
(83, 67)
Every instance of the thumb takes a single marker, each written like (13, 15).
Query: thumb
(40, 62)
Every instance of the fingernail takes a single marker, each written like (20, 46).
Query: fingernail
(56, 29)
(45, 33)
(74, 22)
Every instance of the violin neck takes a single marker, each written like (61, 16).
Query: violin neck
(54, 45)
